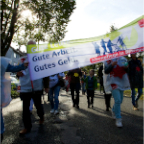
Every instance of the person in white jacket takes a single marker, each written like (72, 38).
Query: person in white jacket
(31, 90)
(116, 81)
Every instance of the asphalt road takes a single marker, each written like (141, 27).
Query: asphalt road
(75, 126)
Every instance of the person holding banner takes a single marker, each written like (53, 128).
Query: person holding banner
(31, 90)
(75, 85)
(55, 86)
(19, 75)
(116, 81)
(136, 79)
(6, 84)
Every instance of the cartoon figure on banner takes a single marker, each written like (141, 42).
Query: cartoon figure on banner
(103, 46)
(109, 46)
(113, 47)
(97, 48)
(121, 43)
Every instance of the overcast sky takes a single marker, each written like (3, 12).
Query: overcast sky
(94, 17)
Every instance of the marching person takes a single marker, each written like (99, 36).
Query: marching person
(91, 85)
(116, 81)
(136, 79)
(75, 85)
(19, 75)
(55, 85)
(6, 85)
(107, 95)
(83, 83)
(31, 90)
(100, 74)
(68, 85)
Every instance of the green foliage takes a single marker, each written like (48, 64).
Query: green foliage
(95, 67)
(88, 68)
(14, 92)
(48, 22)
(112, 28)
(39, 37)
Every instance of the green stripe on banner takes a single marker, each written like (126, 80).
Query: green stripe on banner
(31, 49)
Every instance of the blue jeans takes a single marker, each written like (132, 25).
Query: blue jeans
(2, 123)
(118, 98)
(53, 95)
(134, 99)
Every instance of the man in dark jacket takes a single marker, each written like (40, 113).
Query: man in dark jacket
(75, 84)
(136, 79)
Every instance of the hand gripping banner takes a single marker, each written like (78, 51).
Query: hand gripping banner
(53, 58)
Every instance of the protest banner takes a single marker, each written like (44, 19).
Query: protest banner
(48, 59)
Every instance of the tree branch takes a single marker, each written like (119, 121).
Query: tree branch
(1, 20)
(8, 16)
(10, 33)
(18, 28)
(3, 3)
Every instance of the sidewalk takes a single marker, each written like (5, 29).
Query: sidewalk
(73, 126)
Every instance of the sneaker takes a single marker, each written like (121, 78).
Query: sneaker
(24, 131)
(119, 122)
(56, 112)
(113, 115)
(134, 108)
(52, 111)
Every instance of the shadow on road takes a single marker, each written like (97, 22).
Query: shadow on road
(97, 126)
(40, 134)
(94, 126)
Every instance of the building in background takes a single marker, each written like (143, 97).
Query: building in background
(14, 55)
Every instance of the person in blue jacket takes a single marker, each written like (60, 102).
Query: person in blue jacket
(5, 85)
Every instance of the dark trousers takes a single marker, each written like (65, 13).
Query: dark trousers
(73, 87)
(107, 99)
(90, 93)
(26, 97)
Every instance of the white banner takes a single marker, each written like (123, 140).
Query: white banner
(49, 59)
